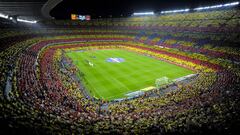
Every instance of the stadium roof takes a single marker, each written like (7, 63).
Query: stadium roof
(28, 9)
(61, 9)
(125, 8)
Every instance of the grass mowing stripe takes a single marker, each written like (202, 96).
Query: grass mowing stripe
(111, 78)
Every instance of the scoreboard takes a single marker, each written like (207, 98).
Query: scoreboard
(80, 17)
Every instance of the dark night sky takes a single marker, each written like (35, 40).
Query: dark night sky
(116, 8)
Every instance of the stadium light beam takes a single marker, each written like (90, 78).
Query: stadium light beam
(231, 4)
(3, 16)
(175, 11)
(18, 19)
(143, 13)
(217, 6)
(26, 21)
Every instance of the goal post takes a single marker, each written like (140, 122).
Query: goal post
(161, 82)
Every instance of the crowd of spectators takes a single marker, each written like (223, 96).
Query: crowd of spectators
(47, 94)
(45, 98)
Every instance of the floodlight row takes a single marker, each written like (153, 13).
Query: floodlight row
(3, 16)
(175, 11)
(217, 6)
(26, 21)
(148, 13)
(143, 13)
(18, 19)
(187, 10)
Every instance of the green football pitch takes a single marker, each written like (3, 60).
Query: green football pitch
(112, 80)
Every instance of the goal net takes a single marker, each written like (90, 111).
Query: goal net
(161, 82)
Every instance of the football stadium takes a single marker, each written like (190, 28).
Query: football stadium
(119, 68)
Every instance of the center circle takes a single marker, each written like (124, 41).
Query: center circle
(115, 60)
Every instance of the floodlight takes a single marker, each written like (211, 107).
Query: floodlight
(217, 6)
(231, 4)
(143, 13)
(175, 11)
(3, 16)
(26, 21)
